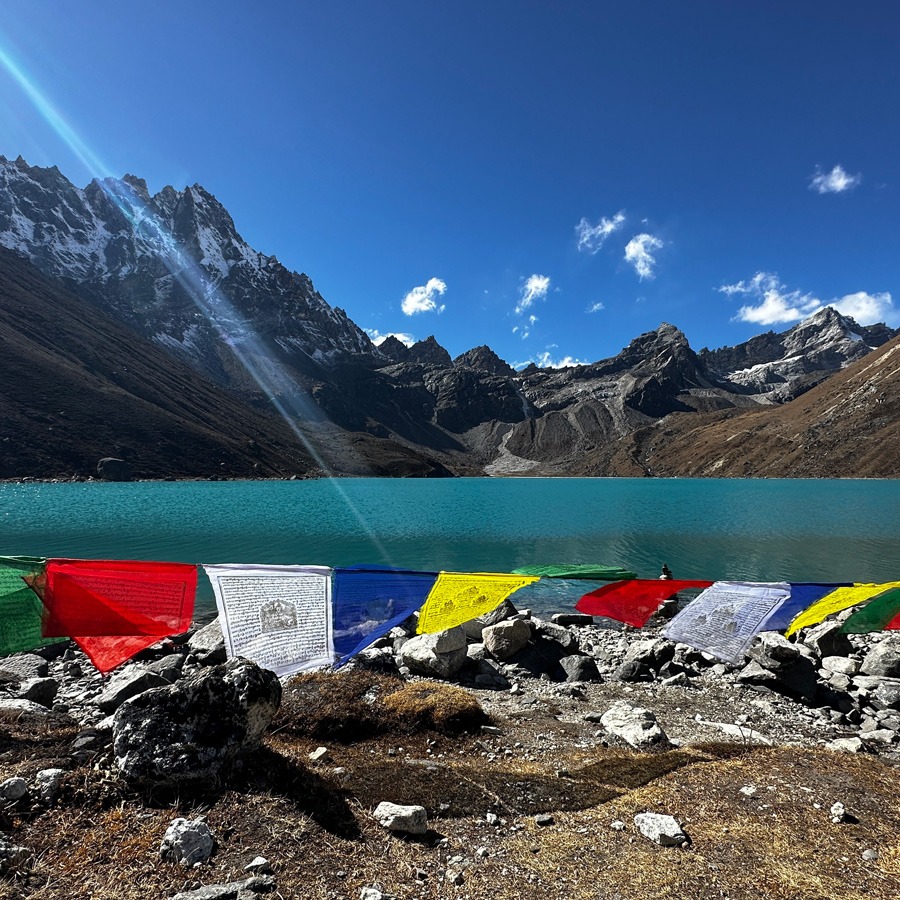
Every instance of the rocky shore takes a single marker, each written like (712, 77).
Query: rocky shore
(525, 730)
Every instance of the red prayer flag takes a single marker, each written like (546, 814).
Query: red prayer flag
(114, 609)
(894, 624)
(633, 601)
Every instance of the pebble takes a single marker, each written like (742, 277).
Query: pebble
(543, 820)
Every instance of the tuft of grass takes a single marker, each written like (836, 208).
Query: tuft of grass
(429, 706)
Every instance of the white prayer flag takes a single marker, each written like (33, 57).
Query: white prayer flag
(725, 618)
(277, 616)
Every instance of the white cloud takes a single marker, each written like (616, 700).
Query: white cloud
(638, 251)
(595, 307)
(776, 304)
(834, 182)
(422, 299)
(535, 288)
(545, 361)
(592, 237)
(378, 338)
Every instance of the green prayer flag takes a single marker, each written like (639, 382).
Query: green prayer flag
(592, 573)
(21, 610)
(875, 615)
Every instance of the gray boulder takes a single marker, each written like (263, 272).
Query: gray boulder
(46, 783)
(580, 668)
(187, 842)
(193, 731)
(840, 665)
(560, 635)
(633, 724)
(208, 644)
(13, 710)
(440, 655)
(112, 469)
(39, 690)
(127, 683)
(882, 660)
(506, 638)
(474, 627)
(774, 652)
(402, 819)
(827, 639)
(887, 695)
(168, 667)
(643, 659)
(25, 666)
(661, 829)
(13, 789)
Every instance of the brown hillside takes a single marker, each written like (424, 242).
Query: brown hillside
(846, 427)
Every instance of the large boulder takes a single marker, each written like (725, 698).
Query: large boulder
(208, 644)
(882, 660)
(506, 638)
(440, 655)
(126, 683)
(474, 627)
(827, 639)
(633, 724)
(193, 731)
(643, 659)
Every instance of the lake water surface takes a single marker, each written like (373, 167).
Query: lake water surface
(759, 530)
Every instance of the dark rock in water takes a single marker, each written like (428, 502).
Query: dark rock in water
(193, 731)
(111, 469)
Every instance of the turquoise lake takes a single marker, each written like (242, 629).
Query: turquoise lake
(757, 530)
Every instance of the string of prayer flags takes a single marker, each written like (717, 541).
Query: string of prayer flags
(838, 600)
(633, 602)
(589, 572)
(115, 609)
(368, 601)
(21, 611)
(277, 616)
(458, 597)
(881, 613)
(726, 617)
(803, 595)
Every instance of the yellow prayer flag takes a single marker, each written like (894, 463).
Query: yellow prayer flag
(457, 597)
(838, 599)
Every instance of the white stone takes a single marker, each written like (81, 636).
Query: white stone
(506, 638)
(12, 710)
(442, 654)
(845, 745)
(187, 842)
(661, 829)
(320, 754)
(404, 819)
(843, 665)
(635, 725)
(46, 783)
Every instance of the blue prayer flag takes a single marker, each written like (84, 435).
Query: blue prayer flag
(803, 595)
(368, 601)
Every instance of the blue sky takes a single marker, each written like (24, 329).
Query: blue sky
(549, 179)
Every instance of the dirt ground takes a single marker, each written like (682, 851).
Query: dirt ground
(757, 817)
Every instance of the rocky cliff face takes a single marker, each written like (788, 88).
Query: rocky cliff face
(174, 269)
(779, 367)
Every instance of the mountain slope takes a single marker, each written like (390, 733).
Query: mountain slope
(848, 426)
(76, 386)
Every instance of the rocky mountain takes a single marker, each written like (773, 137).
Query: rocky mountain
(75, 387)
(847, 426)
(778, 367)
(173, 268)
(172, 271)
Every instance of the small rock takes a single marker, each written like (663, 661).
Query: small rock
(259, 864)
(320, 754)
(46, 783)
(187, 842)
(13, 710)
(661, 829)
(840, 664)
(580, 668)
(208, 644)
(13, 859)
(25, 666)
(543, 819)
(168, 668)
(617, 825)
(402, 819)
(883, 660)
(870, 855)
(40, 690)
(635, 725)
(373, 893)
(13, 790)
(234, 890)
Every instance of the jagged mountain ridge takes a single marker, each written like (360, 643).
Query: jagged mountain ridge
(174, 269)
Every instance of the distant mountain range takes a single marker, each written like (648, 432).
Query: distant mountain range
(146, 328)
